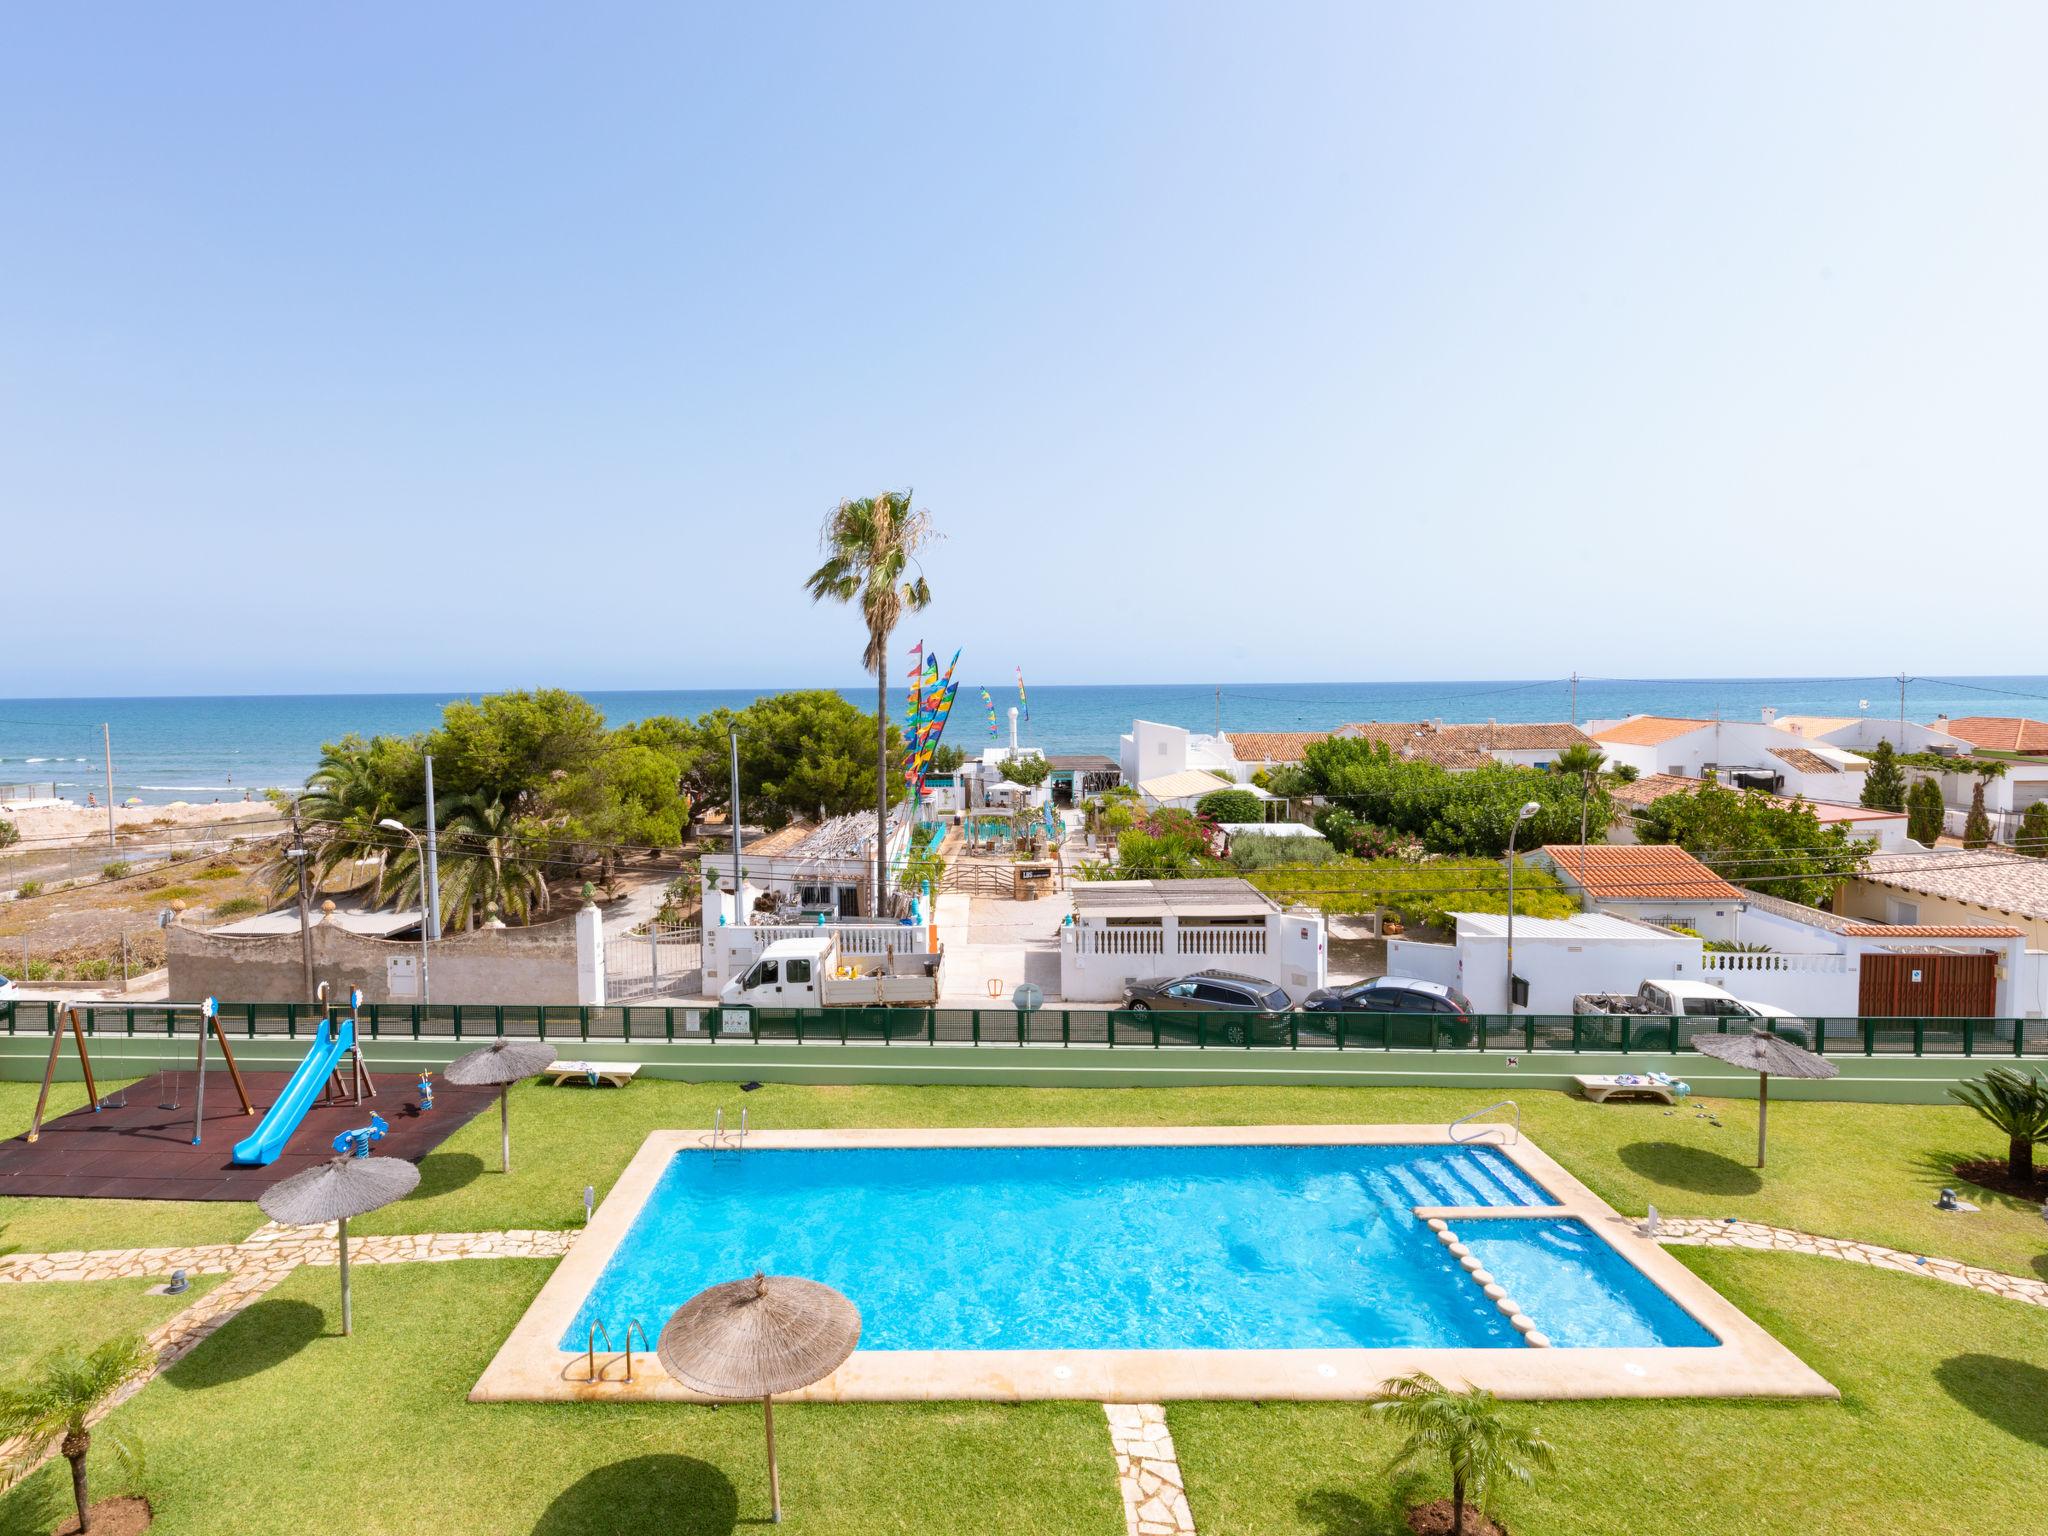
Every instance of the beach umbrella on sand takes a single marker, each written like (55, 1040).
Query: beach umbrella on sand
(501, 1064)
(1763, 1054)
(335, 1191)
(757, 1337)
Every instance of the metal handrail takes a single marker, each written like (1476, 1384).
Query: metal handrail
(1452, 1128)
(590, 1352)
(645, 1343)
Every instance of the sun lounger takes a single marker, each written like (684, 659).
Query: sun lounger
(1600, 1088)
(617, 1073)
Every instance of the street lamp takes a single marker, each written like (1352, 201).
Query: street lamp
(733, 818)
(1520, 816)
(393, 824)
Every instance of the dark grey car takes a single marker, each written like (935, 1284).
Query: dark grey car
(1265, 1005)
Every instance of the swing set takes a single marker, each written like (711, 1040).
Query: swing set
(209, 1012)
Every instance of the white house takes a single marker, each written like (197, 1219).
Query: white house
(1742, 754)
(1130, 930)
(1151, 750)
(1557, 957)
(1650, 882)
(1886, 828)
(803, 871)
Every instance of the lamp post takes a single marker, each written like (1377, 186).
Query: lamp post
(733, 816)
(1520, 816)
(393, 824)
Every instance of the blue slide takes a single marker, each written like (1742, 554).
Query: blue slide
(262, 1146)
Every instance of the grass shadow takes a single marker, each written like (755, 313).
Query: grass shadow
(1690, 1168)
(1342, 1512)
(2011, 1395)
(442, 1173)
(265, 1334)
(664, 1493)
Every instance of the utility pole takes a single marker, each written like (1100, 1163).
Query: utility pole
(430, 904)
(1575, 706)
(107, 741)
(1219, 709)
(1902, 712)
(732, 815)
(297, 854)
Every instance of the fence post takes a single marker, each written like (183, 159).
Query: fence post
(1293, 1030)
(1869, 1037)
(291, 1022)
(931, 1026)
(2019, 1037)
(1969, 1037)
(975, 1024)
(1919, 1037)
(1820, 1037)
(1066, 1028)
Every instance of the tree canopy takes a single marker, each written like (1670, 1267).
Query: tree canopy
(1761, 841)
(1469, 813)
(1239, 805)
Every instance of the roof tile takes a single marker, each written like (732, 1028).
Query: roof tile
(1639, 872)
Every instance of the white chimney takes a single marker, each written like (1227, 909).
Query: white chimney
(1769, 714)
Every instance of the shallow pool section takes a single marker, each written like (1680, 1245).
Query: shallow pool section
(1578, 1290)
(1126, 1247)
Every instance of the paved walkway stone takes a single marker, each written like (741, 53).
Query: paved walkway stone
(1706, 1233)
(1148, 1471)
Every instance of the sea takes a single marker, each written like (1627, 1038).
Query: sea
(203, 749)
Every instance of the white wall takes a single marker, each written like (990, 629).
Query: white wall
(1558, 969)
(1420, 961)
(1290, 950)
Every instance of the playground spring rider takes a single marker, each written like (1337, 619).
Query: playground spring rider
(356, 1143)
(426, 1090)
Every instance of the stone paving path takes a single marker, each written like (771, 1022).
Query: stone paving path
(1148, 1471)
(1700, 1232)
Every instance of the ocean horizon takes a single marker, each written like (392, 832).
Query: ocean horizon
(221, 747)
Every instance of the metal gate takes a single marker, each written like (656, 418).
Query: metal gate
(653, 960)
(1938, 985)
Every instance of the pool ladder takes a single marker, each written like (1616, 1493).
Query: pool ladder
(598, 1331)
(721, 1140)
(1511, 1139)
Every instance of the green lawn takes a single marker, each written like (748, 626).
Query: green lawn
(1869, 1171)
(1943, 1426)
(40, 1317)
(278, 1423)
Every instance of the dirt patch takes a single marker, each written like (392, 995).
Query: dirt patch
(114, 1517)
(1434, 1519)
(1991, 1174)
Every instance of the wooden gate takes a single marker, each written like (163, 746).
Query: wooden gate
(1929, 986)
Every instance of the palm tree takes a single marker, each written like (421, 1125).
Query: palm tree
(56, 1402)
(870, 546)
(486, 860)
(2016, 1103)
(1585, 760)
(344, 799)
(1466, 1429)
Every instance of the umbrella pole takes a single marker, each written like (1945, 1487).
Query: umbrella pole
(774, 1477)
(347, 1322)
(1763, 1112)
(505, 1128)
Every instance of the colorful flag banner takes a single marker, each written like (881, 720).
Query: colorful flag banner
(1023, 698)
(991, 704)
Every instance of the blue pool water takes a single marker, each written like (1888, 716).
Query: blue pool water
(1578, 1290)
(1255, 1247)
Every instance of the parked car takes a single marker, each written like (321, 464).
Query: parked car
(1416, 1014)
(7, 987)
(1264, 1005)
(1667, 1001)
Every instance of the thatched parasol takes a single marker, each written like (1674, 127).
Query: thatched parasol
(1763, 1053)
(335, 1191)
(501, 1064)
(757, 1337)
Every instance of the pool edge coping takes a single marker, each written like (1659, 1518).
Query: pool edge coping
(1748, 1362)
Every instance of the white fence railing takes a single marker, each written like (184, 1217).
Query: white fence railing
(1123, 941)
(1223, 941)
(1714, 963)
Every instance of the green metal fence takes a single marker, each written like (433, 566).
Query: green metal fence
(1070, 1027)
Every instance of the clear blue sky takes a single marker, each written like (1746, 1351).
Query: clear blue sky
(401, 346)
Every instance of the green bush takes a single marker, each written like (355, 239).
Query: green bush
(114, 869)
(10, 834)
(2033, 838)
(1925, 816)
(1028, 771)
(1418, 893)
(1231, 805)
(1470, 813)
(28, 888)
(238, 906)
(1251, 851)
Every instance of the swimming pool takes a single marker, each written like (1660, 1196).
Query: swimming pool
(1132, 1247)
(1146, 1264)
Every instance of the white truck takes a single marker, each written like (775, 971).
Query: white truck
(817, 973)
(1692, 1000)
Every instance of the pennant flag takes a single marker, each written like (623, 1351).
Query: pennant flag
(1022, 697)
(991, 703)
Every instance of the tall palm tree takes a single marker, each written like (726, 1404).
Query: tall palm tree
(870, 547)
(67, 1389)
(1466, 1429)
(2016, 1104)
(1585, 760)
(344, 799)
(487, 860)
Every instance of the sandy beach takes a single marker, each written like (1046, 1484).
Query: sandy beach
(56, 823)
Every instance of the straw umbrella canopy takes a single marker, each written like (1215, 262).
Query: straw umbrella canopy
(501, 1064)
(1763, 1053)
(334, 1191)
(757, 1337)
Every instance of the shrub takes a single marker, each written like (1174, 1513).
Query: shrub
(1977, 825)
(28, 888)
(10, 834)
(1262, 850)
(1418, 893)
(1028, 771)
(2033, 838)
(238, 906)
(1925, 815)
(1231, 805)
(1884, 786)
(114, 869)
(216, 872)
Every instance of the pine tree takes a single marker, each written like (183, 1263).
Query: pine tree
(1884, 785)
(2033, 838)
(1924, 812)
(1977, 827)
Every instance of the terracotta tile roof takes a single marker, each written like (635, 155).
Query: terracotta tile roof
(1805, 760)
(1639, 872)
(1649, 730)
(2001, 733)
(1651, 787)
(1542, 736)
(1932, 931)
(1272, 746)
(2008, 883)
